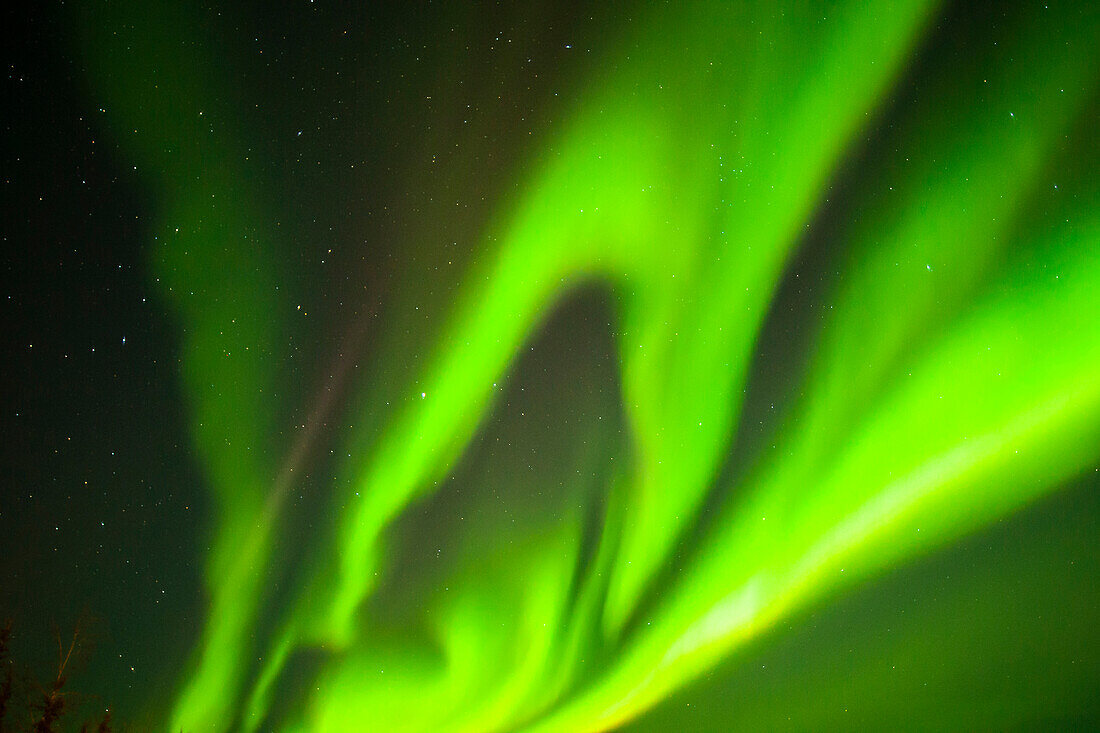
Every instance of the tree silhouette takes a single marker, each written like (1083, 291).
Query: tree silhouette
(44, 705)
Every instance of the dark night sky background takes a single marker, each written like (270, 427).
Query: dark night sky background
(101, 507)
(103, 510)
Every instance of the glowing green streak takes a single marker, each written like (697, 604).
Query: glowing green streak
(682, 182)
(669, 226)
(940, 451)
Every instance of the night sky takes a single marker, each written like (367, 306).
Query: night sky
(554, 367)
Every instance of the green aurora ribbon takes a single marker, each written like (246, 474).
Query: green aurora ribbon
(534, 516)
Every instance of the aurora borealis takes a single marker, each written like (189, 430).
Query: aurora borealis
(707, 366)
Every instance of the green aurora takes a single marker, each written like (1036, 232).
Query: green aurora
(566, 456)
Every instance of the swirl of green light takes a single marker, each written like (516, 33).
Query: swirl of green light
(952, 381)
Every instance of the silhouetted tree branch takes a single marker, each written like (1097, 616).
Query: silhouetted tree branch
(43, 706)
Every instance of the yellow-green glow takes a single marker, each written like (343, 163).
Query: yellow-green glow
(952, 378)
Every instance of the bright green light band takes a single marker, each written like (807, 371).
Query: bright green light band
(953, 378)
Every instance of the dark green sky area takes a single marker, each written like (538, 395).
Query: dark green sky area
(342, 340)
